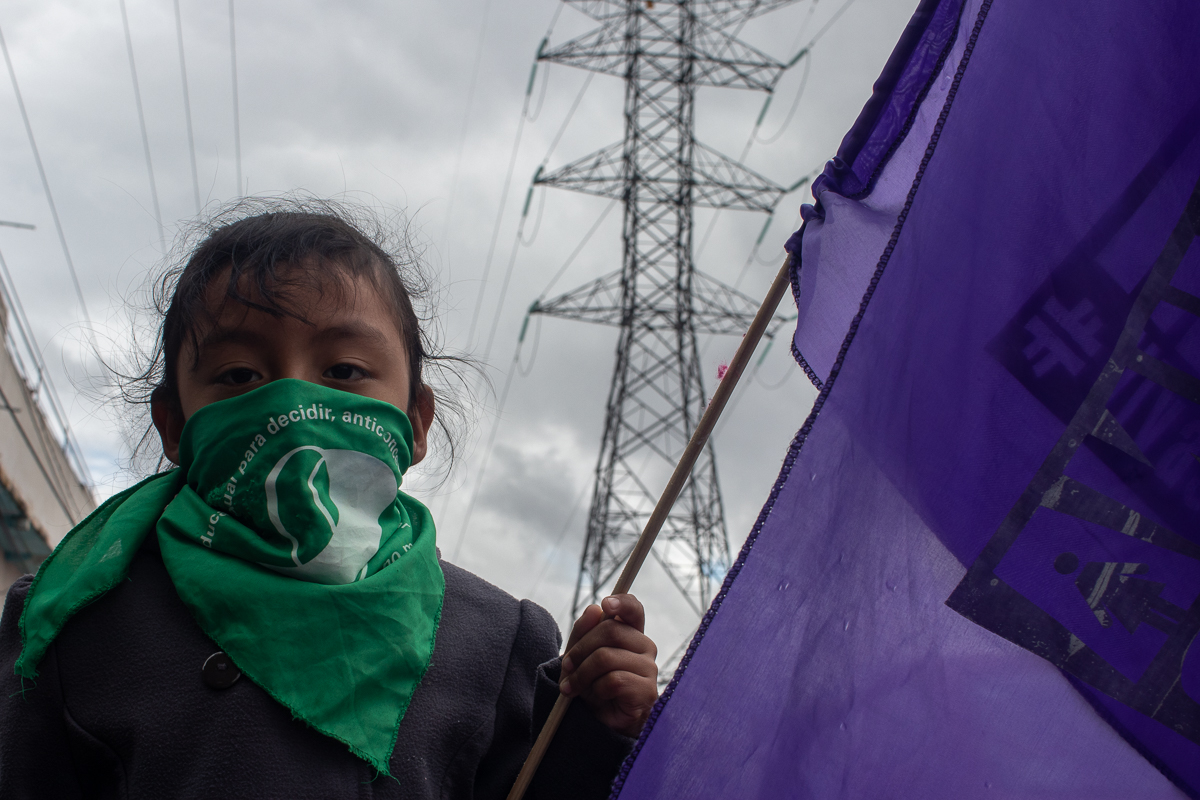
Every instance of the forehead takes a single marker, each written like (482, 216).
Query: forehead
(311, 294)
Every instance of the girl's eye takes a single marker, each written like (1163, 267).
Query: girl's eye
(345, 372)
(238, 376)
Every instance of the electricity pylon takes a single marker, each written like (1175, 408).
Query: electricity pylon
(659, 301)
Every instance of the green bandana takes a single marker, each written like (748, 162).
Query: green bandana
(285, 534)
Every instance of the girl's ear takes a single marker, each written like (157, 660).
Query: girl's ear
(168, 419)
(420, 414)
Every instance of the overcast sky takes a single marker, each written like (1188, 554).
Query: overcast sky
(409, 105)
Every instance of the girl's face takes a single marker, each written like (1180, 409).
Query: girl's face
(350, 343)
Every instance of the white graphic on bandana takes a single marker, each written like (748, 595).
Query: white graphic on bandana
(360, 488)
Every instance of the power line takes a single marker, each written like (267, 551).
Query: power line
(487, 452)
(795, 104)
(55, 489)
(579, 248)
(805, 53)
(462, 134)
(237, 125)
(514, 367)
(187, 106)
(137, 99)
(562, 534)
(537, 220)
(587, 81)
(537, 340)
(62, 239)
(20, 322)
(524, 213)
(812, 10)
(487, 264)
(787, 375)
(750, 259)
(537, 112)
(512, 261)
(516, 358)
(825, 29)
(512, 163)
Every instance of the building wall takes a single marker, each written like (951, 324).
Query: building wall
(43, 495)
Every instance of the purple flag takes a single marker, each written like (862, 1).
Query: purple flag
(978, 574)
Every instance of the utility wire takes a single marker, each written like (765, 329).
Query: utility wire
(537, 340)
(795, 104)
(825, 29)
(537, 220)
(578, 249)
(137, 99)
(62, 239)
(55, 489)
(562, 534)
(587, 81)
(21, 320)
(537, 112)
(237, 124)
(487, 453)
(787, 375)
(546, 161)
(752, 376)
(514, 367)
(187, 106)
(803, 52)
(512, 258)
(812, 10)
(753, 256)
(512, 163)
(487, 264)
(462, 134)
(512, 262)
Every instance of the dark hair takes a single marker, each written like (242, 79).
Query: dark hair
(263, 249)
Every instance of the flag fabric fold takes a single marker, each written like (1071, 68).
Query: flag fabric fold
(979, 571)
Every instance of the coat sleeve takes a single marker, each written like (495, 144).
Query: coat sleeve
(35, 750)
(585, 755)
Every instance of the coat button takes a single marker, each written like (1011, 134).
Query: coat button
(219, 671)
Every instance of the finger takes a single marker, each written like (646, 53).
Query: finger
(604, 661)
(623, 701)
(629, 690)
(627, 608)
(589, 619)
(608, 633)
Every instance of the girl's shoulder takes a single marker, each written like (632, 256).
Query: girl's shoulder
(475, 608)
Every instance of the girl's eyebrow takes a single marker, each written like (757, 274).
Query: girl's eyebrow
(355, 330)
(347, 330)
(224, 335)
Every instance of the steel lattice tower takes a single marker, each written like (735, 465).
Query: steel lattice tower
(658, 300)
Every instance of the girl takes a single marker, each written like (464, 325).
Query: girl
(272, 618)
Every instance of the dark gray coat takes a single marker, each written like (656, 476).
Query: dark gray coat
(120, 710)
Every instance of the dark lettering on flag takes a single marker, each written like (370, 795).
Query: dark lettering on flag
(1105, 583)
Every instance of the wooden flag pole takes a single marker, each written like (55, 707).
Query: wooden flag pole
(683, 471)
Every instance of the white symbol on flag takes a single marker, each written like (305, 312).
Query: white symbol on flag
(360, 487)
